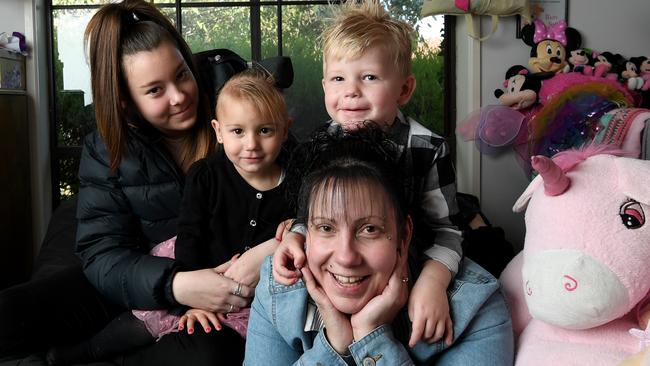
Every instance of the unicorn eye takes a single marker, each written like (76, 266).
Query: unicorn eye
(632, 215)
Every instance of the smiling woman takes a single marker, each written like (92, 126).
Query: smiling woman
(349, 308)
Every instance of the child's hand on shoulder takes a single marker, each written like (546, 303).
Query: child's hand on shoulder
(289, 257)
(428, 306)
(204, 317)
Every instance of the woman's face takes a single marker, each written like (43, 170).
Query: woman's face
(352, 244)
(162, 88)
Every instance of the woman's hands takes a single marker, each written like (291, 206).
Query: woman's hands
(340, 329)
(209, 290)
(226, 288)
(383, 308)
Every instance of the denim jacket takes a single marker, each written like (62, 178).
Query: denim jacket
(482, 328)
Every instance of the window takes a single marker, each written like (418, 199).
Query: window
(254, 29)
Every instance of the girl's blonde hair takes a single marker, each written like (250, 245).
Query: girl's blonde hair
(357, 26)
(258, 88)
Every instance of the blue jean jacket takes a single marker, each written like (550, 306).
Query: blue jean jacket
(482, 329)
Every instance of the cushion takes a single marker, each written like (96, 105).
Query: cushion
(57, 249)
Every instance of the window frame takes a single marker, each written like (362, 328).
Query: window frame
(60, 152)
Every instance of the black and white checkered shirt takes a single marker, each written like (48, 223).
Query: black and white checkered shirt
(430, 171)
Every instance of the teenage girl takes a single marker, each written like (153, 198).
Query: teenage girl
(152, 124)
(233, 200)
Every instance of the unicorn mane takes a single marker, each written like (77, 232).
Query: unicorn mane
(569, 159)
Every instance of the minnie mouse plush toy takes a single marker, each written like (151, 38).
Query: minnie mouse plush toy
(521, 87)
(550, 45)
(602, 64)
(580, 61)
(629, 74)
(643, 68)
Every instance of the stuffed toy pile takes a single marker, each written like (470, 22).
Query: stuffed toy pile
(564, 98)
(584, 268)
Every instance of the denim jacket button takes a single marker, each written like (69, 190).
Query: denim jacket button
(369, 361)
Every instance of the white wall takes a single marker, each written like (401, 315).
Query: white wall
(29, 18)
(12, 16)
(617, 26)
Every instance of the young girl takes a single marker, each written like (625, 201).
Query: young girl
(234, 198)
(232, 201)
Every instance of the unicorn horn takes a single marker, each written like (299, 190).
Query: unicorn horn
(555, 181)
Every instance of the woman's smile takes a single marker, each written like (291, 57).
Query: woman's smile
(347, 280)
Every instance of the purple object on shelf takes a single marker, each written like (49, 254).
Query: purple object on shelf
(21, 40)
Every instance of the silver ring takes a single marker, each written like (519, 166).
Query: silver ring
(405, 280)
(237, 290)
(230, 308)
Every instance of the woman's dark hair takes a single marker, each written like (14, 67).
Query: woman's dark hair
(341, 161)
(123, 29)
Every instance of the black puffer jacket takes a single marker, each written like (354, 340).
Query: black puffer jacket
(122, 215)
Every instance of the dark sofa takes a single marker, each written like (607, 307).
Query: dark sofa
(57, 249)
(56, 254)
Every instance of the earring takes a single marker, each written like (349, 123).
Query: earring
(389, 237)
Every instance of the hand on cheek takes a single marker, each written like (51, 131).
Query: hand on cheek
(383, 308)
(337, 324)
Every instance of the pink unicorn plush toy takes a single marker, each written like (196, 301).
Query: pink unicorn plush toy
(584, 266)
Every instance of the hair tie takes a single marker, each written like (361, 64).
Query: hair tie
(130, 18)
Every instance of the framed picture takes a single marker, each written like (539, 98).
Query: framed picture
(548, 11)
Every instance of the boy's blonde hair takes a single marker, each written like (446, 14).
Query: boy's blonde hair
(258, 88)
(357, 26)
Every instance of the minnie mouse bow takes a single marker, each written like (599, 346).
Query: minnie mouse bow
(219, 65)
(555, 32)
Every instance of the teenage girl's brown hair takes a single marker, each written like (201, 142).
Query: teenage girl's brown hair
(119, 30)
